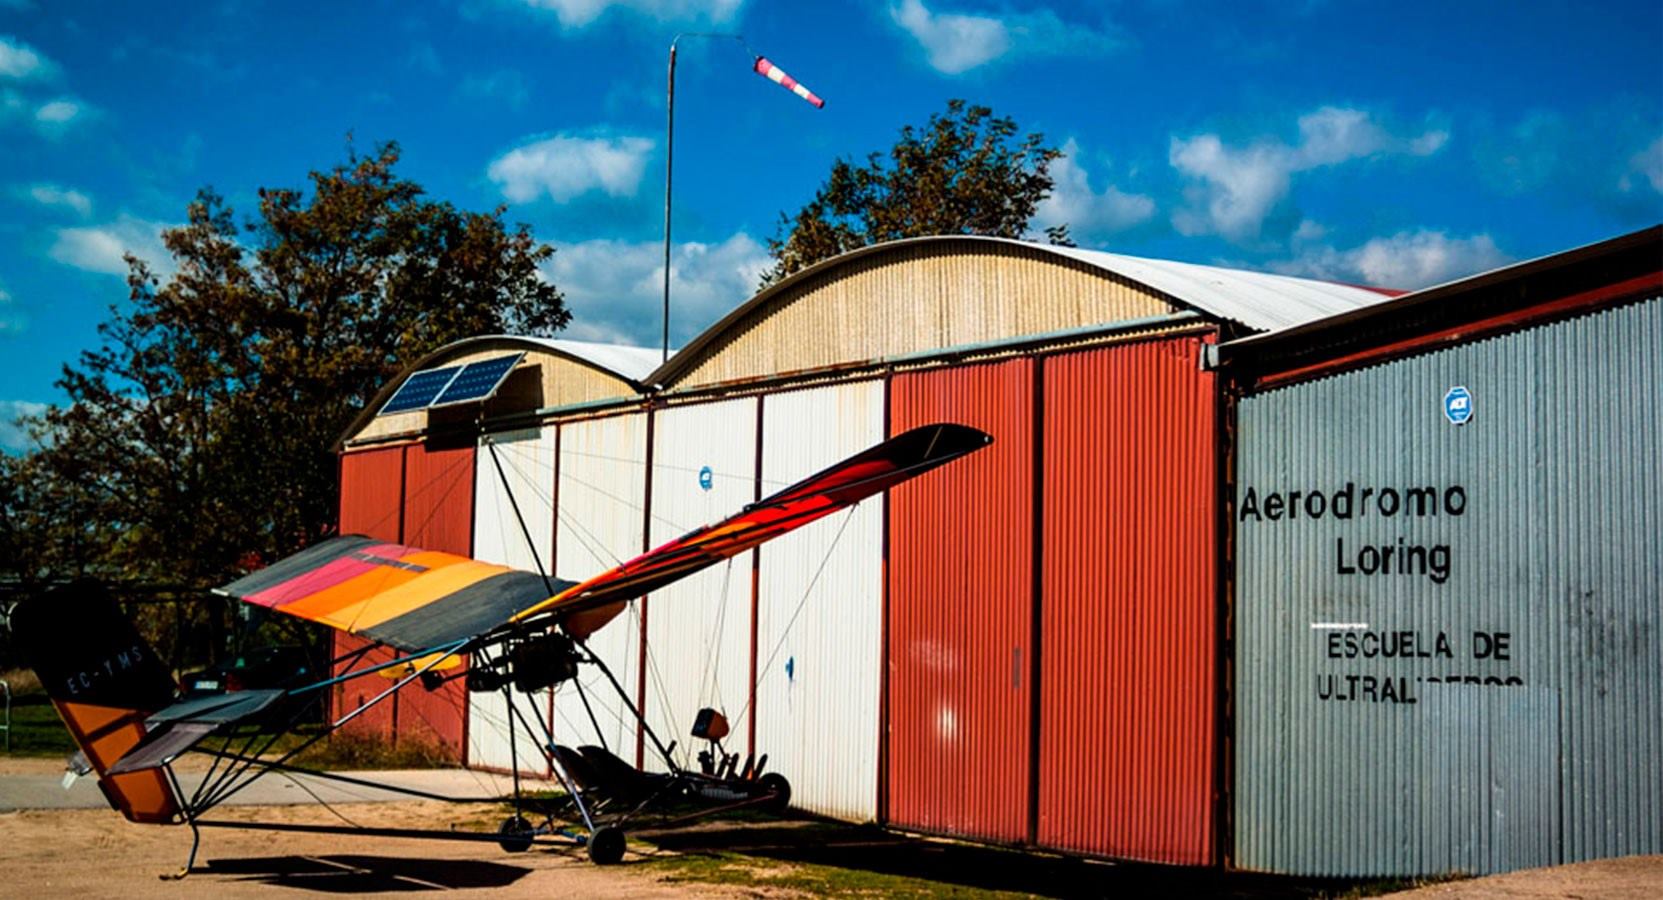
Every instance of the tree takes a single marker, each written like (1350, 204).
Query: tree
(198, 437)
(964, 172)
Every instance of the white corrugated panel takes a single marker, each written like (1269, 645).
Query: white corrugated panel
(820, 610)
(603, 478)
(526, 479)
(699, 629)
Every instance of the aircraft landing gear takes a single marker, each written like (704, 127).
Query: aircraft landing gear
(774, 786)
(515, 834)
(606, 846)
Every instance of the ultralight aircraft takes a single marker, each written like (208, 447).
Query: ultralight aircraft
(517, 630)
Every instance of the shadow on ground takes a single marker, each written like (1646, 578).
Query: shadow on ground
(872, 850)
(349, 874)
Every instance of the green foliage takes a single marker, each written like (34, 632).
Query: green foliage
(965, 172)
(198, 437)
(346, 750)
(36, 728)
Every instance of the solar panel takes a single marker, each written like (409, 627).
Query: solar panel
(420, 390)
(478, 380)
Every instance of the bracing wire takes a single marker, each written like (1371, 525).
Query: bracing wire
(767, 667)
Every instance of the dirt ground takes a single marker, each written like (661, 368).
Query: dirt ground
(1628, 878)
(94, 853)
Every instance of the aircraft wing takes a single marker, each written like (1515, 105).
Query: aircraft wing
(405, 597)
(583, 608)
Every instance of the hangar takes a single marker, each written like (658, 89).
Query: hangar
(1057, 643)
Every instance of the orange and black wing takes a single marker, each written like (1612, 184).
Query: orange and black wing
(404, 597)
(583, 608)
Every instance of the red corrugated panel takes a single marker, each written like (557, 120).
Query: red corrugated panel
(372, 488)
(438, 515)
(960, 575)
(372, 485)
(1128, 612)
(438, 499)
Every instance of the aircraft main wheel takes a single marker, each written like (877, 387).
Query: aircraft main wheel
(606, 846)
(515, 834)
(774, 783)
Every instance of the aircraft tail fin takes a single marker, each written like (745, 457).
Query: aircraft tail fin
(105, 680)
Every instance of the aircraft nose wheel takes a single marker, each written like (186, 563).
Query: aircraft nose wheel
(606, 846)
(515, 834)
(774, 783)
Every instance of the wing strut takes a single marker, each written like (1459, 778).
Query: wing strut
(515, 505)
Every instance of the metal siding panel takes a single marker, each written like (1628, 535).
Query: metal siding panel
(820, 610)
(1556, 547)
(960, 611)
(603, 484)
(438, 498)
(438, 515)
(916, 298)
(371, 482)
(699, 629)
(1128, 647)
(527, 457)
(372, 485)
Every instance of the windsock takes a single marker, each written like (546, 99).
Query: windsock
(777, 75)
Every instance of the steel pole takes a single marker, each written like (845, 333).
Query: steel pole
(669, 168)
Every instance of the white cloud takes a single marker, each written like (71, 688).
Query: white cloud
(1648, 164)
(1409, 260)
(53, 118)
(52, 195)
(57, 112)
(959, 42)
(13, 436)
(100, 249)
(615, 289)
(1234, 189)
(22, 62)
(12, 320)
(1084, 211)
(566, 166)
(579, 13)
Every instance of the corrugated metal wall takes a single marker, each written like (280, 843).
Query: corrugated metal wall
(1128, 647)
(372, 499)
(525, 480)
(438, 515)
(820, 610)
(602, 496)
(438, 498)
(960, 611)
(1497, 705)
(699, 629)
(916, 298)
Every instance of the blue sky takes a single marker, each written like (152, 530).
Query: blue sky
(1400, 144)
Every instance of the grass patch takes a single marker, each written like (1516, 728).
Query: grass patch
(1381, 886)
(739, 870)
(361, 751)
(36, 728)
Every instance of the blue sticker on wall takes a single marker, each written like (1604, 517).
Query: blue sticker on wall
(791, 668)
(706, 478)
(1458, 405)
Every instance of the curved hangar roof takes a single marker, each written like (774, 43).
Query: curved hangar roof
(910, 297)
(509, 373)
